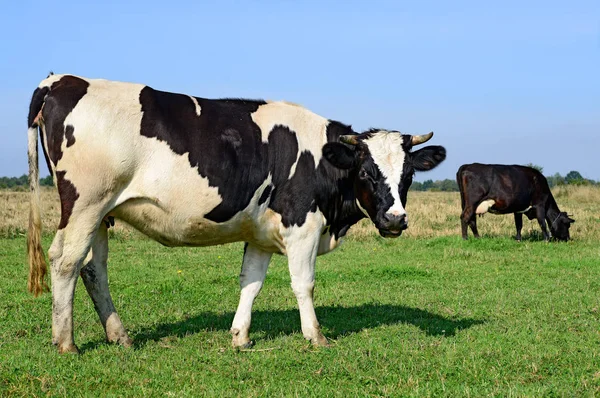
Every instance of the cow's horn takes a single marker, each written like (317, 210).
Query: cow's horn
(419, 139)
(349, 139)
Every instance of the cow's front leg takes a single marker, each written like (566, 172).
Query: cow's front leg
(252, 276)
(541, 217)
(519, 225)
(302, 254)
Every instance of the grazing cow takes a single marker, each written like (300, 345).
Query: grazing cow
(189, 171)
(502, 189)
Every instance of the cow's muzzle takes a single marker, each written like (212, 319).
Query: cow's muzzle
(392, 225)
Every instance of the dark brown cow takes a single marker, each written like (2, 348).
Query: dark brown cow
(503, 189)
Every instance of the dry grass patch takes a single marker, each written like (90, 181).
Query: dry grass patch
(431, 214)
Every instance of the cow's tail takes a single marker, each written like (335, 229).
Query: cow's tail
(459, 182)
(37, 262)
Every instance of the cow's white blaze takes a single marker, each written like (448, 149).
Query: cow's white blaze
(310, 129)
(388, 154)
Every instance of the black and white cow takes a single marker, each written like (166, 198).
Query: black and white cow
(189, 171)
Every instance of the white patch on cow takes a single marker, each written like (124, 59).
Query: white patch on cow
(364, 211)
(484, 206)
(147, 184)
(196, 105)
(388, 154)
(327, 243)
(526, 210)
(47, 82)
(310, 128)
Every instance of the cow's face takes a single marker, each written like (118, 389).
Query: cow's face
(560, 226)
(382, 165)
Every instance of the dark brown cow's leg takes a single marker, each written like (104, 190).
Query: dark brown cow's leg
(519, 225)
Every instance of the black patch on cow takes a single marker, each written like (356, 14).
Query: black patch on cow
(68, 195)
(69, 135)
(334, 191)
(223, 142)
(295, 198)
(60, 101)
(265, 195)
(35, 106)
(88, 273)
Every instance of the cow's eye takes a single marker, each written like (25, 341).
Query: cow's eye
(364, 176)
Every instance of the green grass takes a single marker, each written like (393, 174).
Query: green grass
(406, 317)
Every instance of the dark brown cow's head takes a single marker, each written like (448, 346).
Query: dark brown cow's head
(560, 226)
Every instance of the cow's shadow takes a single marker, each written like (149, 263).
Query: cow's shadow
(338, 321)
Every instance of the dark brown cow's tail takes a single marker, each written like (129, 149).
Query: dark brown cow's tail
(37, 261)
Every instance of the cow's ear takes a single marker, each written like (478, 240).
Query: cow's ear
(340, 155)
(429, 157)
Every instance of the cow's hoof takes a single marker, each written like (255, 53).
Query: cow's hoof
(245, 346)
(240, 340)
(120, 338)
(72, 349)
(320, 341)
(126, 342)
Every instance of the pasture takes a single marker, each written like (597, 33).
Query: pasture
(427, 314)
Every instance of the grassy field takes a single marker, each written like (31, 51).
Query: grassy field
(424, 315)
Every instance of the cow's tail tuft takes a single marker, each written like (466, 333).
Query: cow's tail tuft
(37, 262)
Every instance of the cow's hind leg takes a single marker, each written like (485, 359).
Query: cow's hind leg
(252, 276)
(95, 278)
(468, 218)
(67, 252)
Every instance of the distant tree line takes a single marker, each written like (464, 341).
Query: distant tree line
(447, 185)
(12, 182)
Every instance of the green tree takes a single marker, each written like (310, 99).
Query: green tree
(417, 186)
(47, 181)
(555, 180)
(574, 177)
(427, 184)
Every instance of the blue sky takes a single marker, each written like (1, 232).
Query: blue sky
(498, 82)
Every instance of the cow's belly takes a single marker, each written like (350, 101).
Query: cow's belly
(184, 227)
(171, 229)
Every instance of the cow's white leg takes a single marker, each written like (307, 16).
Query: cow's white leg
(302, 248)
(95, 278)
(252, 276)
(68, 250)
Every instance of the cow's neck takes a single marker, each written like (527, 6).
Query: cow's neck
(339, 207)
(336, 198)
(552, 213)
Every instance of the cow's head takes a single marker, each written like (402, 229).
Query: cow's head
(382, 166)
(560, 226)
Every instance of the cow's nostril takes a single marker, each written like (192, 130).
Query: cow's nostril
(395, 221)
